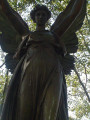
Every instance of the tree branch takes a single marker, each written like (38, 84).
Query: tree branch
(86, 45)
(83, 66)
(2, 65)
(82, 84)
(88, 20)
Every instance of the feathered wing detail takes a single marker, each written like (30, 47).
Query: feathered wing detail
(76, 23)
(12, 28)
(68, 36)
(16, 20)
(10, 38)
(10, 62)
(68, 64)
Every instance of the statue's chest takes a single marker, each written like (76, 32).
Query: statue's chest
(42, 36)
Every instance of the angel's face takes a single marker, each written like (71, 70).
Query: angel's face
(41, 17)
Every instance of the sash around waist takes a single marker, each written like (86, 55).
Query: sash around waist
(38, 45)
(45, 44)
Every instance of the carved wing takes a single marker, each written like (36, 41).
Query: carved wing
(12, 28)
(66, 31)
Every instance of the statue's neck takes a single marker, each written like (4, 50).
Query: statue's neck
(40, 28)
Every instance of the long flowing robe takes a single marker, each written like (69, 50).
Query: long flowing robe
(37, 90)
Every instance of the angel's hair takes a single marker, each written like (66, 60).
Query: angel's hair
(40, 7)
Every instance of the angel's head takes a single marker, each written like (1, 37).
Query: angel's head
(40, 14)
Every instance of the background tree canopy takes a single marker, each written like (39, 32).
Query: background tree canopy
(79, 81)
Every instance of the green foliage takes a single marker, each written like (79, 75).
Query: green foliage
(2, 83)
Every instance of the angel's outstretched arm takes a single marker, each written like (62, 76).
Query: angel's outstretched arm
(69, 19)
(16, 20)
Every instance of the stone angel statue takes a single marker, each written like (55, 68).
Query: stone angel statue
(37, 90)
